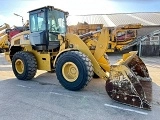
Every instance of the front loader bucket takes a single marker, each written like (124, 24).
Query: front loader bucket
(129, 82)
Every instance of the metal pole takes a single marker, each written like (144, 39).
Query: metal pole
(140, 48)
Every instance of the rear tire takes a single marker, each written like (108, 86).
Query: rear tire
(79, 64)
(24, 65)
(1, 51)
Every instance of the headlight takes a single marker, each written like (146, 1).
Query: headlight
(26, 36)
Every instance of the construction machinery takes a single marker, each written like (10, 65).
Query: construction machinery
(120, 36)
(4, 37)
(7, 32)
(47, 46)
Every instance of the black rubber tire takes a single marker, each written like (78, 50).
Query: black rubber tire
(30, 65)
(1, 51)
(84, 66)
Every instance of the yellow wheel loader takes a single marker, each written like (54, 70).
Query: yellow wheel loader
(6, 34)
(4, 37)
(47, 46)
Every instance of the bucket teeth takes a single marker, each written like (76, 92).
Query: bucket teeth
(123, 86)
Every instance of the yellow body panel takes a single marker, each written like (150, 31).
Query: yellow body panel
(102, 44)
(127, 58)
(43, 59)
(104, 64)
(60, 52)
(110, 50)
(4, 41)
(19, 39)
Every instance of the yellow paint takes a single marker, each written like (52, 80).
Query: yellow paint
(19, 66)
(4, 41)
(129, 55)
(20, 38)
(43, 59)
(102, 44)
(60, 52)
(91, 43)
(110, 50)
(104, 63)
(63, 45)
(70, 71)
(127, 58)
(4, 36)
(27, 47)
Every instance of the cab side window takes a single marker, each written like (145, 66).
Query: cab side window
(37, 22)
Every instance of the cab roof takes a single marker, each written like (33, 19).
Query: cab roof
(46, 7)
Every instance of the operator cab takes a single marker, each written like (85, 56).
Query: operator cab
(46, 24)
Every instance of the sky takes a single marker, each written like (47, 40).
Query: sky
(74, 7)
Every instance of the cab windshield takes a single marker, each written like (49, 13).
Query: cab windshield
(56, 21)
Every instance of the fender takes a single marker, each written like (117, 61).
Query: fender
(61, 52)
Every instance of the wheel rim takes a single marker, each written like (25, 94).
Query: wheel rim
(19, 66)
(70, 71)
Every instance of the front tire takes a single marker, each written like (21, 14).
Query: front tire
(74, 70)
(24, 65)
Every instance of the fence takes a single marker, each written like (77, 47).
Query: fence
(150, 50)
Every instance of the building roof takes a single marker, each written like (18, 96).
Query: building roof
(112, 20)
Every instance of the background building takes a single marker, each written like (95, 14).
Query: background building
(149, 20)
